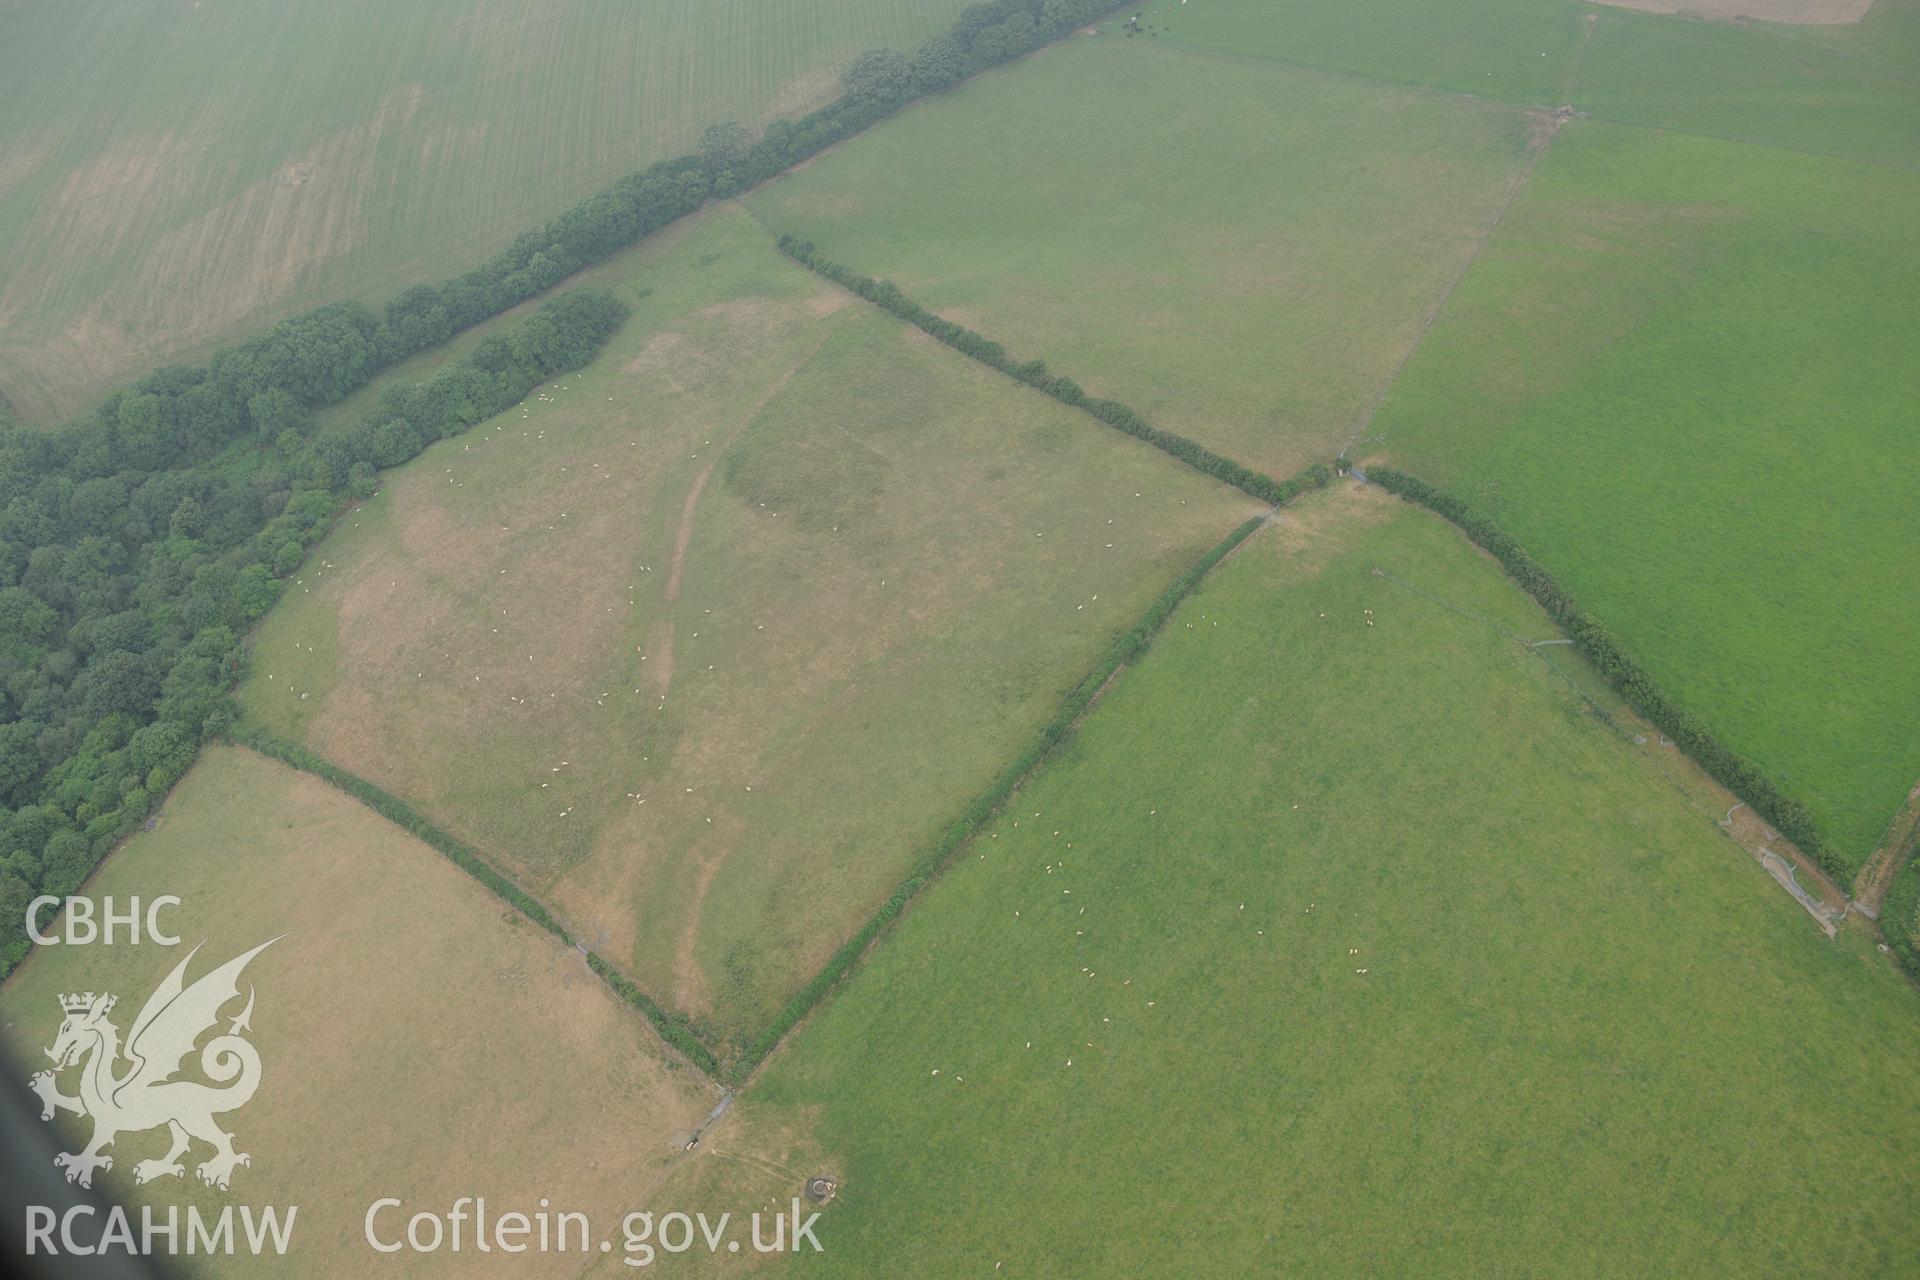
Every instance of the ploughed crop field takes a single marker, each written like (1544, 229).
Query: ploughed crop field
(1345, 939)
(1242, 252)
(417, 1038)
(705, 644)
(1681, 374)
(174, 175)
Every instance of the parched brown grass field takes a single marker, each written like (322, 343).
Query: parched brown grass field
(706, 643)
(418, 1038)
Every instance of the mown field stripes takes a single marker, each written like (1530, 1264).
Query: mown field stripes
(172, 178)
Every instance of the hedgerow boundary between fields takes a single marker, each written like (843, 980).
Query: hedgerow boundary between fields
(642, 204)
(1626, 677)
(886, 295)
(1889, 883)
(676, 1030)
(672, 1028)
(1721, 763)
(251, 403)
(1900, 913)
(1124, 649)
(242, 579)
(1588, 638)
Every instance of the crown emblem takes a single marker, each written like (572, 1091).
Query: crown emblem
(82, 1003)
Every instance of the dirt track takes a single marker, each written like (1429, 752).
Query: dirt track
(1896, 846)
(683, 535)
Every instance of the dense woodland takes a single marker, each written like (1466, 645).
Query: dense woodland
(140, 542)
(137, 549)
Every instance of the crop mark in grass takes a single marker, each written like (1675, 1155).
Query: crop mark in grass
(803, 705)
(1403, 182)
(1587, 23)
(662, 647)
(1273, 517)
(888, 297)
(691, 991)
(1627, 976)
(1460, 610)
(1546, 127)
(1561, 396)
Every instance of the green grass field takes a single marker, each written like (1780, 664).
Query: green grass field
(1843, 89)
(1511, 50)
(176, 175)
(708, 642)
(1331, 948)
(1347, 933)
(1772, 85)
(1681, 376)
(1242, 252)
(418, 1038)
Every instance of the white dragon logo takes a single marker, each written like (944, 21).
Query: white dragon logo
(145, 1096)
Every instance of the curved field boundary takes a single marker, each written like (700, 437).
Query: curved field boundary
(672, 1030)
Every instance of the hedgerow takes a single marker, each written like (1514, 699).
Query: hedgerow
(1900, 917)
(1126, 647)
(1725, 766)
(885, 294)
(674, 1030)
(170, 511)
(119, 638)
(402, 815)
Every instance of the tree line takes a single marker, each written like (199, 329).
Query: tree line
(727, 161)
(1900, 916)
(130, 577)
(1724, 765)
(674, 1030)
(884, 293)
(1125, 648)
(140, 541)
